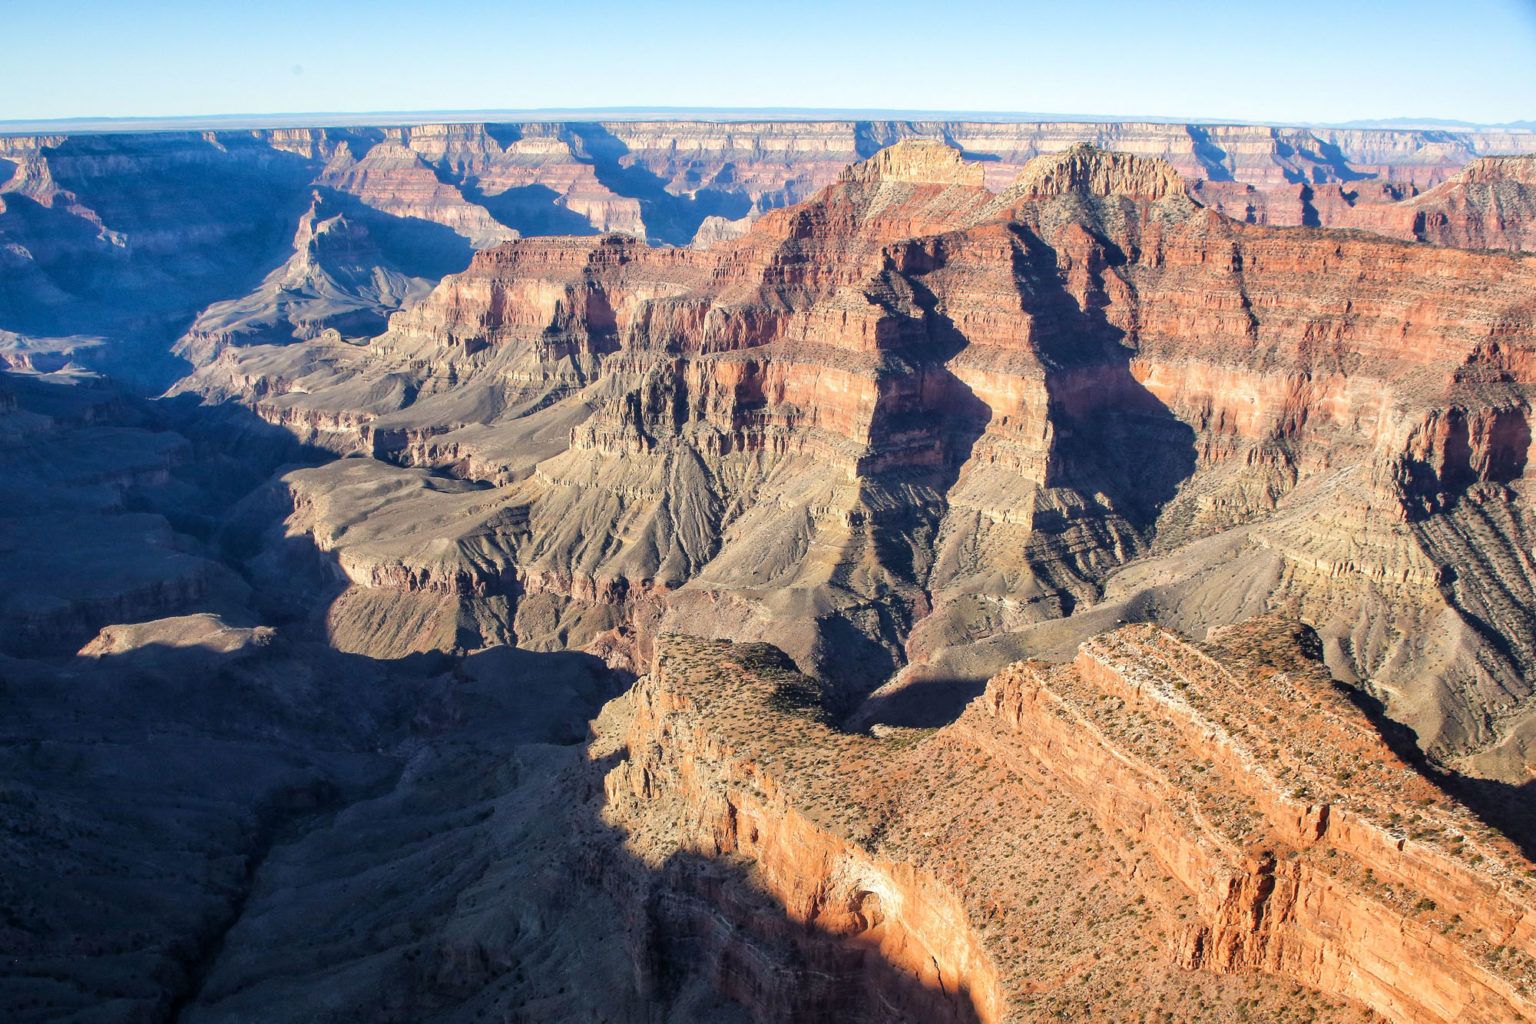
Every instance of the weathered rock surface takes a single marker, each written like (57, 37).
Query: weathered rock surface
(1192, 817)
(1490, 204)
(341, 277)
(909, 430)
(416, 562)
(910, 414)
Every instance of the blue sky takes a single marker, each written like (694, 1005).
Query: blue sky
(1466, 59)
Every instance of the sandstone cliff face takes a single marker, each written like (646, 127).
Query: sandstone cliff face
(1310, 848)
(702, 793)
(1228, 810)
(905, 430)
(1490, 204)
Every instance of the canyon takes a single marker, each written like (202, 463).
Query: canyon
(857, 571)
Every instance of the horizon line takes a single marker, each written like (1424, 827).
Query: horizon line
(97, 124)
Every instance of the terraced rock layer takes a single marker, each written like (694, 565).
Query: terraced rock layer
(908, 430)
(120, 249)
(912, 426)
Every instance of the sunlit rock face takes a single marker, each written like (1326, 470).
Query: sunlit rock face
(1153, 824)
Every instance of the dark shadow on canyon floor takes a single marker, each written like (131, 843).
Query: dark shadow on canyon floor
(1507, 807)
(301, 834)
(1116, 445)
(531, 210)
(923, 703)
(1114, 437)
(229, 820)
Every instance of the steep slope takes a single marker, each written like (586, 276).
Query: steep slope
(341, 277)
(531, 324)
(1486, 205)
(1490, 204)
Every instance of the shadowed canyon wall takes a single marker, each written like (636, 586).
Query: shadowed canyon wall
(912, 414)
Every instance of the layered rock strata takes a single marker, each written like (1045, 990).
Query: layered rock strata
(117, 248)
(911, 414)
(411, 562)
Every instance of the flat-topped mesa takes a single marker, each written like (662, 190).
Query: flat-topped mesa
(917, 162)
(1085, 168)
(1491, 169)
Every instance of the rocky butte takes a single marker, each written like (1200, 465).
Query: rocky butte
(771, 572)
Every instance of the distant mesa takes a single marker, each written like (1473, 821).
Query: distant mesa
(918, 162)
(873, 571)
(1086, 169)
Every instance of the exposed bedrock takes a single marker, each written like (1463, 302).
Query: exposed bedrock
(914, 426)
(1187, 790)
(822, 485)
(1488, 204)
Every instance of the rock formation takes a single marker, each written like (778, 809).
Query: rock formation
(341, 277)
(1198, 815)
(148, 240)
(1490, 204)
(959, 414)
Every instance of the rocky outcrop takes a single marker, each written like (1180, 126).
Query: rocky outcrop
(841, 902)
(1490, 204)
(918, 163)
(411, 561)
(339, 278)
(1308, 847)
(1242, 812)
(1084, 169)
(149, 241)
(1486, 205)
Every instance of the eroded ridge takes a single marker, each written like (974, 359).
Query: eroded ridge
(1308, 847)
(1155, 828)
(911, 429)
